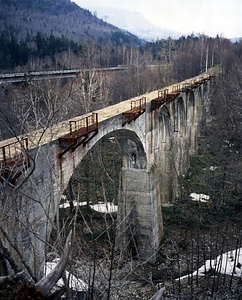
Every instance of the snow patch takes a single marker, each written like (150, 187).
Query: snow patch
(199, 197)
(105, 207)
(229, 263)
(75, 283)
(102, 207)
(212, 168)
(75, 203)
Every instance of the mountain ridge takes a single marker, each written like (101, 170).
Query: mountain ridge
(134, 22)
(24, 18)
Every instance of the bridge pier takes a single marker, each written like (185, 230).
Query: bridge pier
(28, 209)
(139, 221)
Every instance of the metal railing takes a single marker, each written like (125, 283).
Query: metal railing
(85, 124)
(139, 103)
(14, 151)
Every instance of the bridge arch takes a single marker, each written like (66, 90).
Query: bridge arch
(131, 146)
(130, 233)
(178, 113)
(180, 116)
(133, 151)
(165, 154)
(165, 124)
(191, 99)
(191, 123)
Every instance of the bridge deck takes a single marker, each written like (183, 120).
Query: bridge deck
(46, 135)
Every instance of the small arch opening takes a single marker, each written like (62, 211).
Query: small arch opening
(165, 124)
(179, 115)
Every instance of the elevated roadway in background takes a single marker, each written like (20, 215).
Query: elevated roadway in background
(18, 77)
(51, 74)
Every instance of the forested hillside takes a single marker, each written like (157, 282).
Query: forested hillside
(62, 18)
(48, 34)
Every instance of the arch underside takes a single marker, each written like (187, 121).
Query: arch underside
(132, 148)
(134, 193)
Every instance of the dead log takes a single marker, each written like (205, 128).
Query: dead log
(46, 284)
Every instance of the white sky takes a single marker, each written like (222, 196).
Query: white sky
(211, 17)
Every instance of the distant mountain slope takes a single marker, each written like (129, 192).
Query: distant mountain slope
(57, 17)
(135, 23)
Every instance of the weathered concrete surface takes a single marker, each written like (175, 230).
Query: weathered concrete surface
(28, 210)
(156, 149)
(139, 223)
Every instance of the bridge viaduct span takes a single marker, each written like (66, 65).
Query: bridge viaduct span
(157, 133)
(20, 77)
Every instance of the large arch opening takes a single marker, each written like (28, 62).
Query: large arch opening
(90, 199)
(120, 148)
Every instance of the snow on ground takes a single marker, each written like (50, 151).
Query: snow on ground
(212, 168)
(75, 283)
(199, 197)
(102, 207)
(67, 204)
(105, 207)
(228, 263)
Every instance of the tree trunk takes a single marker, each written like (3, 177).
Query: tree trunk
(46, 284)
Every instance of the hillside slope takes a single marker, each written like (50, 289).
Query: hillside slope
(23, 18)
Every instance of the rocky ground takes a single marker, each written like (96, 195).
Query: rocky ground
(180, 254)
(183, 250)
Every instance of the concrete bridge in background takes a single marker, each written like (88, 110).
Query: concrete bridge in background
(157, 133)
(19, 77)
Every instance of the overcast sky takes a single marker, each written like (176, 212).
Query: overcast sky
(211, 17)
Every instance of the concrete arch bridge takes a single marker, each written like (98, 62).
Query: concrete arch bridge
(157, 133)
